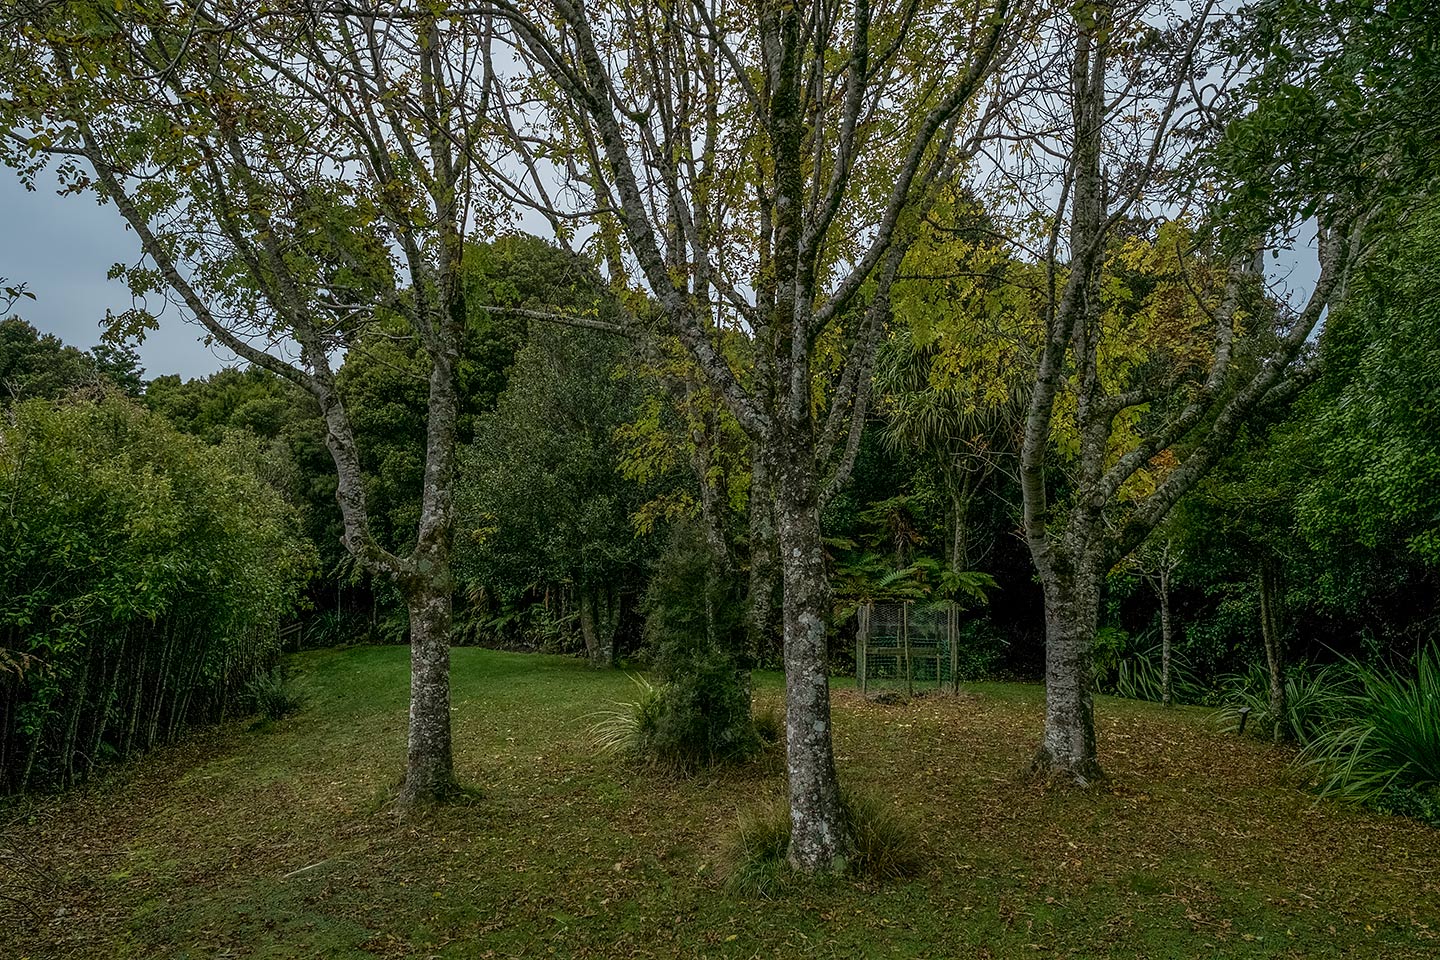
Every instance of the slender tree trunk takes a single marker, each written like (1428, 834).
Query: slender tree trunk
(1166, 693)
(1274, 653)
(587, 626)
(429, 774)
(72, 728)
(960, 531)
(1072, 608)
(607, 624)
(818, 832)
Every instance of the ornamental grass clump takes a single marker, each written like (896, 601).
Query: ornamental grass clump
(885, 844)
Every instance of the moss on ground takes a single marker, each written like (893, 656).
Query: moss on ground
(278, 842)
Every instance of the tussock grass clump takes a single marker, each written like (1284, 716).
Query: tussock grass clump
(886, 844)
(752, 855)
(769, 721)
(887, 841)
(622, 727)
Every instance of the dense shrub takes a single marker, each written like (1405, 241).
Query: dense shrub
(700, 717)
(142, 575)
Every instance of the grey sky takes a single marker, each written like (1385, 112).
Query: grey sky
(62, 247)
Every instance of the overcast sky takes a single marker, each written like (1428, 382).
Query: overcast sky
(62, 247)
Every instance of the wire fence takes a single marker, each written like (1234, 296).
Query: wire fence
(909, 645)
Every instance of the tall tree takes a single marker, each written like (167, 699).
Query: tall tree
(1145, 429)
(952, 378)
(292, 175)
(764, 166)
(543, 506)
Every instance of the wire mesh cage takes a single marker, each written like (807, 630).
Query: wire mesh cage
(907, 645)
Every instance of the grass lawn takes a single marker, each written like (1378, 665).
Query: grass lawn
(276, 842)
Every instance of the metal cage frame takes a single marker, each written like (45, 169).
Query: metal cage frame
(911, 634)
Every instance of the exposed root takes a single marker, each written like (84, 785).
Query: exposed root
(1050, 774)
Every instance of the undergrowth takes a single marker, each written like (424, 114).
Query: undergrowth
(1367, 734)
(275, 694)
(1383, 746)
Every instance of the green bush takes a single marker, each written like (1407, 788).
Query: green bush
(699, 711)
(142, 573)
(699, 719)
(1413, 802)
(886, 844)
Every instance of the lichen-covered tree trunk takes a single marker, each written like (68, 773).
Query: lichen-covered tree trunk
(763, 614)
(819, 836)
(1072, 608)
(429, 774)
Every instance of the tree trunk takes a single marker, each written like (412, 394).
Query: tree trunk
(587, 626)
(598, 617)
(607, 623)
(429, 773)
(960, 531)
(1166, 694)
(1072, 607)
(762, 620)
(1274, 653)
(818, 832)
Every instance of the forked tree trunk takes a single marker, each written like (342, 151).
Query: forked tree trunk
(819, 836)
(1274, 653)
(1072, 607)
(429, 774)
